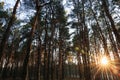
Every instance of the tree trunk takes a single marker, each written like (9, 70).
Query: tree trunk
(106, 9)
(85, 54)
(60, 77)
(39, 60)
(26, 59)
(102, 37)
(7, 32)
(60, 64)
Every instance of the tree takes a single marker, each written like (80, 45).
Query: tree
(29, 41)
(6, 34)
(105, 7)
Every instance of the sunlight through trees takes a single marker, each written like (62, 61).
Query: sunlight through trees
(59, 40)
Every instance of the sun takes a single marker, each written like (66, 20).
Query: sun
(104, 61)
(105, 66)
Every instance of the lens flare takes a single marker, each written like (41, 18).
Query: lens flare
(105, 67)
(104, 61)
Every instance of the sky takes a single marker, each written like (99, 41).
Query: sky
(67, 8)
(8, 3)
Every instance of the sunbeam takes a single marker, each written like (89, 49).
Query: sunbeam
(106, 67)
